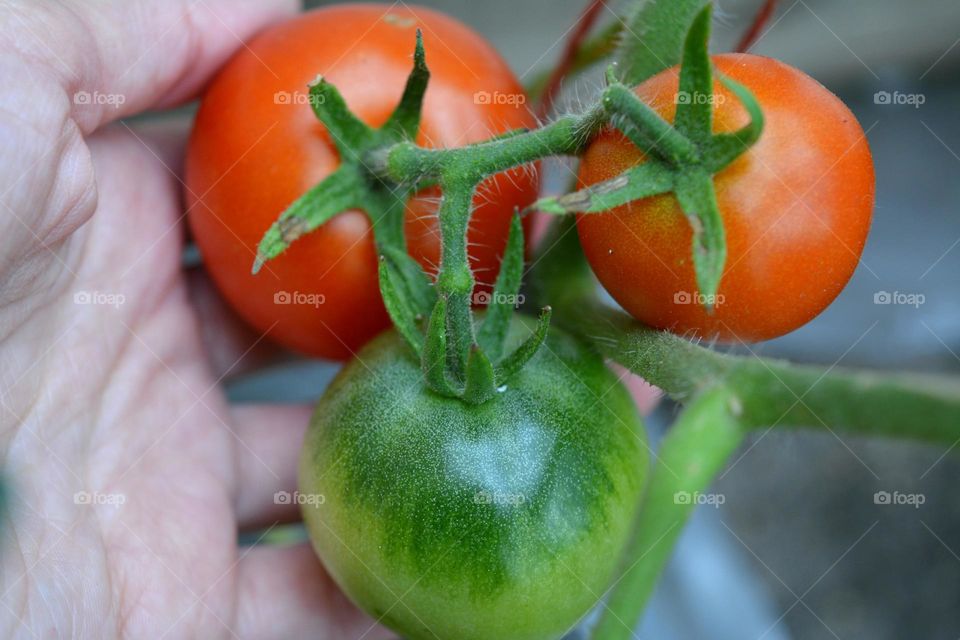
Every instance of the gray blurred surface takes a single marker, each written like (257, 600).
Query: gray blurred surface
(800, 549)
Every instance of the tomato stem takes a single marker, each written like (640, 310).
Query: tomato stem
(752, 34)
(567, 61)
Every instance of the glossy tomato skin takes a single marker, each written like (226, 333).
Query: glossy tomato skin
(503, 521)
(257, 146)
(796, 210)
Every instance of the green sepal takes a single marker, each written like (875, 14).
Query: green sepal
(698, 199)
(404, 122)
(650, 178)
(724, 148)
(460, 331)
(433, 360)
(509, 366)
(694, 117)
(496, 322)
(347, 132)
(480, 379)
(393, 289)
(335, 194)
(418, 288)
(646, 128)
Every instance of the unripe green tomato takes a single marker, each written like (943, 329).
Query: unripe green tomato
(504, 521)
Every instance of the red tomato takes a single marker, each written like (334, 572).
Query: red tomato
(257, 146)
(796, 209)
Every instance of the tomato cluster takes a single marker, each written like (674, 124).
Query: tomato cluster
(503, 519)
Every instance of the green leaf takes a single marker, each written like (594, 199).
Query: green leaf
(653, 37)
(695, 99)
(336, 193)
(398, 304)
(493, 331)
(642, 181)
(346, 130)
(724, 148)
(698, 199)
(509, 366)
(405, 120)
(481, 382)
(433, 360)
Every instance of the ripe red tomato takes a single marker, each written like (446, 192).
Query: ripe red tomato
(796, 209)
(257, 146)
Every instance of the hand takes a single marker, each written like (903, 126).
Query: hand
(128, 473)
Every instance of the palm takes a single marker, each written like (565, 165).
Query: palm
(130, 473)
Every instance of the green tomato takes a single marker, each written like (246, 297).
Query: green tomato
(501, 521)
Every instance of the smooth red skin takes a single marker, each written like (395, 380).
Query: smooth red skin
(796, 209)
(249, 158)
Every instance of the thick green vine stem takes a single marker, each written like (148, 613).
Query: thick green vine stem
(770, 392)
(691, 454)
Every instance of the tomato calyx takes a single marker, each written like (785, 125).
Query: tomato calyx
(681, 157)
(352, 185)
(458, 359)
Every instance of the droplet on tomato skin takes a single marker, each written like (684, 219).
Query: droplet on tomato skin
(609, 252)
(502, 389)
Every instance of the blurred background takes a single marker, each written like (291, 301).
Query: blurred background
(799, 547)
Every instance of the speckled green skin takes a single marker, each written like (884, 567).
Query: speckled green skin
(503, 521)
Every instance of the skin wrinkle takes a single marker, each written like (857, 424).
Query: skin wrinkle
(78, 205)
